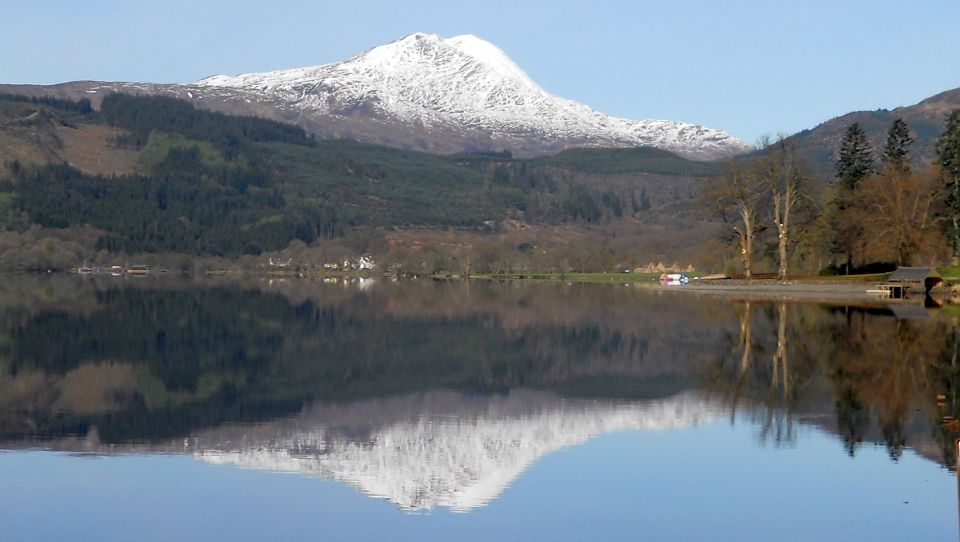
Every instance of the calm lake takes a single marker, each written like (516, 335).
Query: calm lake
(175, 409)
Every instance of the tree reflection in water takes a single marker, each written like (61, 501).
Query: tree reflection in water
(883, 374)
(764, 375)
(152, 360)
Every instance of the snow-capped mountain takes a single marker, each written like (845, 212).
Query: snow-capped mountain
(428, 93)
(463, 85)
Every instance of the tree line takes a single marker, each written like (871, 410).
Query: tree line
(211, 190)
(873, 215)
(81, 106)
(141, 115)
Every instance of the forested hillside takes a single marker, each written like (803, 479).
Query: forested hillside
(156, 175)
(926, 119)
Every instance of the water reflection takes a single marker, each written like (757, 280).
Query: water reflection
(882, 368)
(442, 394)
(435, 449)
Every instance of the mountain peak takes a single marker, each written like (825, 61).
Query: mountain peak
(491, 56)
(432, 52)
(448, 95)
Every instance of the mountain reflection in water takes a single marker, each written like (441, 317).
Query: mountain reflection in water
(442, 394)
(437, 448)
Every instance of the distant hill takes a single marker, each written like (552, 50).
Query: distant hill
(926, 120)
(155, 174)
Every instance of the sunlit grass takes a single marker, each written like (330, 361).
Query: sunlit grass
(618, 278)
(952, 273)
(867, 277)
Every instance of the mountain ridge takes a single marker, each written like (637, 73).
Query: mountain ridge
(926, 120)
(428, 93)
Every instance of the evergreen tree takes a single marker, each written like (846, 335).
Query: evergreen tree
(854, 165)
(896, 152)
(948, 157)
(644, 200)
(856, 157)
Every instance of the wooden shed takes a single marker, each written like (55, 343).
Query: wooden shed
(911, 279)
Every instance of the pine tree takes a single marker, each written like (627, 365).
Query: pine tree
(644, 200)
(856, 157)
(896, 152)
(854, 165)
(948, 158)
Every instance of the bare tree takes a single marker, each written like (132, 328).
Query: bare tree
(784, 172)
(737, 198)
(898, 211)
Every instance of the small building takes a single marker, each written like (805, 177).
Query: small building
(911, 279)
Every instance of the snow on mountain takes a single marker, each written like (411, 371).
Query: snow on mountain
(426, 88)
(438, 449)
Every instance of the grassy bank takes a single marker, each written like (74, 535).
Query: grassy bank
(617, 278)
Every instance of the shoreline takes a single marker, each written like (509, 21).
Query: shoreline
(813, 290)
(829, 288)
(854, 288)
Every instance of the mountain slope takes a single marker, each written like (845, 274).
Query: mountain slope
(926, 120)
(154, 174)
(428, 93)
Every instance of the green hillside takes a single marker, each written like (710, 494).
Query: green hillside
(207, 183)
(646, 159)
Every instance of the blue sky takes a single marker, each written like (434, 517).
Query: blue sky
(748, 67)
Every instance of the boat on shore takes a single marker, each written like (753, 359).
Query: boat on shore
(674, 279)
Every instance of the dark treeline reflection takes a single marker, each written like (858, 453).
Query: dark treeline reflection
(144, 361)
(149, 360)
(883, 377)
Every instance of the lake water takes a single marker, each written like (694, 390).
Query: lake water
(162, 409)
